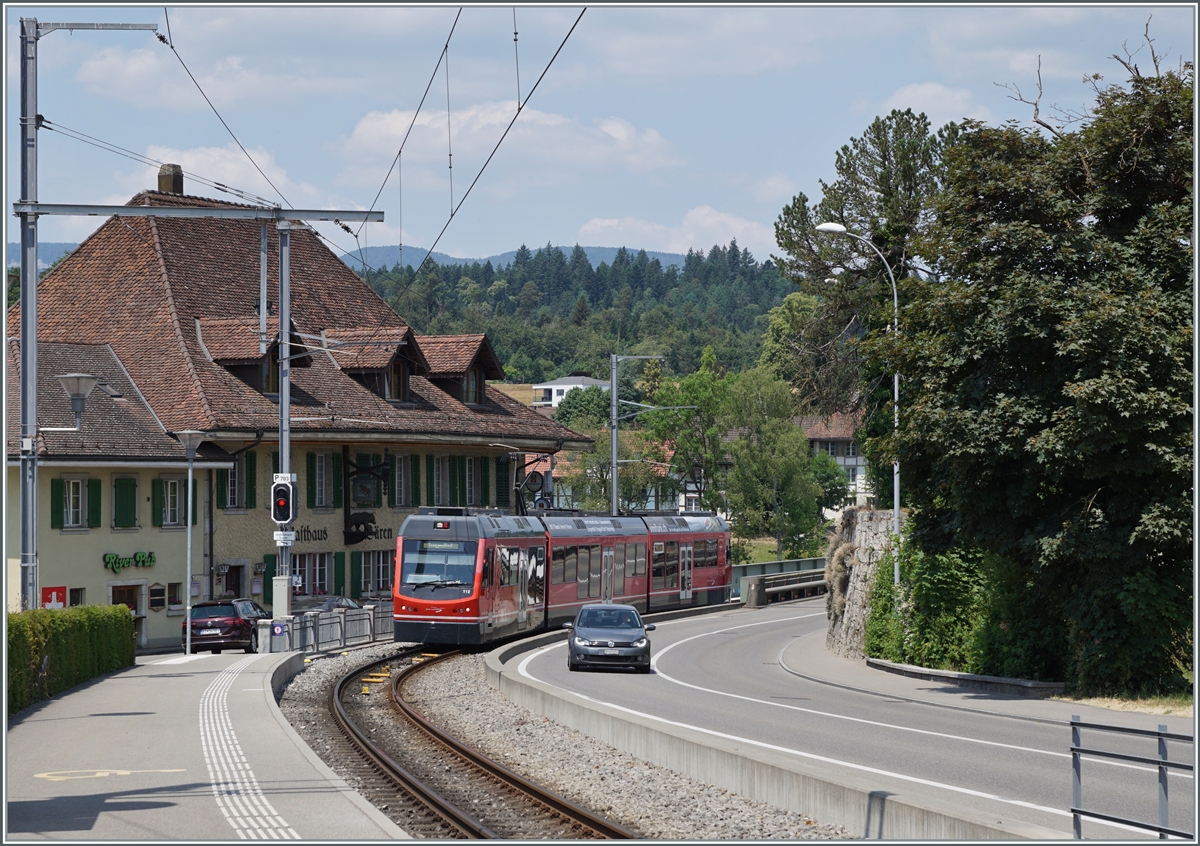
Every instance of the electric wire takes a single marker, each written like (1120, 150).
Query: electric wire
(449, 148)
(171, 43)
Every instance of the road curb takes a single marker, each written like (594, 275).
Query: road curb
(998, 684)
(850, 799)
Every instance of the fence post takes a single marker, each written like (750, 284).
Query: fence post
(1164, 818)
(1076, 784)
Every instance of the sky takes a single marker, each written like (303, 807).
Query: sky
(658, 128)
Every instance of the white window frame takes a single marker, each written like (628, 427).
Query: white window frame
(179, 483)
(235, 491)
(313, 570)
(441, 480)
(472, 480)
(402, 481)
(323, 470)
(75, 487)
(377, 571)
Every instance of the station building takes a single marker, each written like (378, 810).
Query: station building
(166, 312)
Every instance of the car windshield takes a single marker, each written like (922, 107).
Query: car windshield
(438, 563)
(608, 618)
(205, 612)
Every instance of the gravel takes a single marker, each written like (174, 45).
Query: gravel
(655, 801)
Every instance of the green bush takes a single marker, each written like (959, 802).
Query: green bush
(50, 651)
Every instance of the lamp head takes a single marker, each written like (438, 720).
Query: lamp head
(78, 386)
(831, 228)
(190, 440)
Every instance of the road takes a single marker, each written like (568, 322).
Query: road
(741, 674)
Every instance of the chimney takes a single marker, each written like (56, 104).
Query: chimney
(170, 179)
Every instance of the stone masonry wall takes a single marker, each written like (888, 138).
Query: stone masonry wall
(861, 539)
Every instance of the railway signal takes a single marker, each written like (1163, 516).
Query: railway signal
(283, 502)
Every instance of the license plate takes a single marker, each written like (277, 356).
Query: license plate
(612, 652)
(210, 631)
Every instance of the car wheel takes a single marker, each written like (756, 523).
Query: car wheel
(252, 647)
(644, 670)
(571, 665)
(216, 652)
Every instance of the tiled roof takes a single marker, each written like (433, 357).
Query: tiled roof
(235, 339)
(143, 285)
(116, 424)
(367, 349)
(452, 355)
(836, 427)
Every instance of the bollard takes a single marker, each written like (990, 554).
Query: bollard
(756, 597)
(370, 609)
(341, 616)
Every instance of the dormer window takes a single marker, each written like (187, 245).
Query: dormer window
(271, 365)
(474, 386)
(390, 383)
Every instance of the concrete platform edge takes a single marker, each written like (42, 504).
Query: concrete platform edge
(1021, 687)
(776, 778)
(286, 667)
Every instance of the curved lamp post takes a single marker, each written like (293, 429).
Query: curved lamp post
(838, 229)
(190, 440)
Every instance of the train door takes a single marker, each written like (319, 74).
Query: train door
(685, 571)
(523, 589)
(606, 589)
(491, 578)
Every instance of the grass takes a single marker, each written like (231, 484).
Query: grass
(762, 549)
(522, 393)
(1179, 705)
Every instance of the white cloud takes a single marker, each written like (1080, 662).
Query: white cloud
(700, 229)
(940, 103)
(773, 187)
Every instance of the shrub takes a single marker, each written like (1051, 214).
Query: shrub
(50, 651)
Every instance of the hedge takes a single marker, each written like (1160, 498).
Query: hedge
(50, 651)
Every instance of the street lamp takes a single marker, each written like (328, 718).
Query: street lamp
(190, 440)
(78, 387)
(838, 229)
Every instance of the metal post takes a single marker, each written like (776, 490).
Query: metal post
(1076, 783)
(29, 239)
(262, 289)
(285, 375)
(612, 434)
(1164, 818)
(187, 585)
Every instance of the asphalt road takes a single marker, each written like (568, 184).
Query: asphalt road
(736, 674)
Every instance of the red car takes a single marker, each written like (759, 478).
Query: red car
(224, 624)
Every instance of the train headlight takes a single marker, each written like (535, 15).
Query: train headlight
(581, 641)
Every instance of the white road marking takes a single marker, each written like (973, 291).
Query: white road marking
(234, 786)
(523, 669)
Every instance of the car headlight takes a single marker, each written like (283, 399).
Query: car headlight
(580, 641)
(640, 642)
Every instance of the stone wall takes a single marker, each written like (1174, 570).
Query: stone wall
(861, 539)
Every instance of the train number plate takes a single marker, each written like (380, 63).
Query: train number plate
(612, 652)
(210, 631)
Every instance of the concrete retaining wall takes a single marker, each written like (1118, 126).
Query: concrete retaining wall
(826, 792)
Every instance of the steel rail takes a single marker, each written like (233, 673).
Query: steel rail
(467, 826)
(568, 809)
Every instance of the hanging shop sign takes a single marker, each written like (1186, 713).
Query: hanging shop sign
(117, 563)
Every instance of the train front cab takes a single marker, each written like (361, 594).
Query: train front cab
(689, 561)
(468, 579)
(595, 559)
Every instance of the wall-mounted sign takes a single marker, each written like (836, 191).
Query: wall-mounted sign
(116, 563)
(304, 534)
(54, 597)
(158, 597)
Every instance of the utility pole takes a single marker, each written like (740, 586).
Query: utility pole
(31, 31)
(284, 228)
(612, 428)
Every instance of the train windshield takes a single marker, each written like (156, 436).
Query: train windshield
(438, 563)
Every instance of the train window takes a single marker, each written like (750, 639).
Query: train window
(657, 578)
(538, 580)
(712, 552)
(584, 572)
(558, 560)
(509, 557)
(597, 571)
(486, 578)
(619, 569)
(641, 559)
(569, 562)
(671, 564)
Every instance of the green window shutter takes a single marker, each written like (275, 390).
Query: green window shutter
(156, 501)
(355, 574)
(376, 460)
(485, 482)
(93, 503)
(462, 480)
(222, 488)
(391, 475)
(339, 573)
(124, 503)
(337, 480)
(310, 478)
(194, 500)
(251, 478)
(268, 575)
(274, 462)
(503, 493)
(429, 459)
(415, 488)
(57, 495)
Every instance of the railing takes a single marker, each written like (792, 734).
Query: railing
(743, 572)
(315, 631)
(763, 589)
(1077, 751)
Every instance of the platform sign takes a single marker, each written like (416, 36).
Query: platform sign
(277, 629)
(54, 597)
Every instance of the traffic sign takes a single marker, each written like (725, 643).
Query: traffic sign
(284, 477)
(285, 538)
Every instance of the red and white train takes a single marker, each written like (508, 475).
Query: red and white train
(477, 576)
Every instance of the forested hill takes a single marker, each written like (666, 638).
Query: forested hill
(390, 256)
(549, 313)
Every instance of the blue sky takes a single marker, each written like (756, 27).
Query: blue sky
(662, 128)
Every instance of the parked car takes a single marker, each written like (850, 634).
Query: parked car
(324, 604)
(608, 636)
(224, 624)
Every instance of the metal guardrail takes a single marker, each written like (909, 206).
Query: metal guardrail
(1162, 762)
(743, 572)
(762, 589)
(316, 632)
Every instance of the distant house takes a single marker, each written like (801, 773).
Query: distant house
(551, 393)
(834, 436)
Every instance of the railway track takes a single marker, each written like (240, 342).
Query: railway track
(436, 787)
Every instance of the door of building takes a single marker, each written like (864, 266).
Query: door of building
(130, 596)
(233, 581)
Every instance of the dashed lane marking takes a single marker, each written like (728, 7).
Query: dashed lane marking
(234, 785)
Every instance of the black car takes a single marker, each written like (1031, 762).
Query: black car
(224, 624)
(322, 603)
(608, 636)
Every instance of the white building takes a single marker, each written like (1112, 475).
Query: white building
(551, 393)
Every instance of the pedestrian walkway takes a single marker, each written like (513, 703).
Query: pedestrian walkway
(807, 657)
(176, 748)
